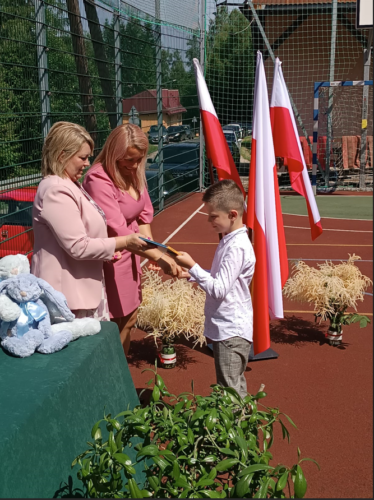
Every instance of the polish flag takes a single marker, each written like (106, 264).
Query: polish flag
(217, 149)
(287, 145)
(265, 218)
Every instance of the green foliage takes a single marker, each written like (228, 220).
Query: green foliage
(191, 446)
(341, 318)
(19, 94)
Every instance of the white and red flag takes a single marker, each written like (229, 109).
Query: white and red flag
(265, 218)
(217, 149)
(287, 145)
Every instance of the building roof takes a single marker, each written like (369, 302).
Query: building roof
(146, 102)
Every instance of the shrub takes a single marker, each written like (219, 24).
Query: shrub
(191, 447)
(331, 289)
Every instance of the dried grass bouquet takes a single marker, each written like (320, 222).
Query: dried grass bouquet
(171, 308)
(331, 289)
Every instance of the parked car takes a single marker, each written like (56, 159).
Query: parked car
(247, 129)
(176, 133)
(16, 234)
(170, 186)
(183, 162)
(153, 135)
(231, 136)
(229, 128)
(237, 129)
(233, 146)
(189, 133)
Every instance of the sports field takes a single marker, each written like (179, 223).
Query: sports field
(341, 207)
(327, 391)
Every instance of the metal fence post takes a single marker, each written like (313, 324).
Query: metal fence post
(271, 54)
(365, 104)
(41, 50)
(159, 108)
(202, 64)
(331, 90)
(118, 65)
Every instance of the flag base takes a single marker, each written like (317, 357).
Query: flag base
(268, 354)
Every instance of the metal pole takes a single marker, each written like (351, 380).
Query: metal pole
(118, 65)
(271, 53)
(41, 50)
(202, 64)
(331, 90)
(315, 136)
(365, 104)
(159, 108)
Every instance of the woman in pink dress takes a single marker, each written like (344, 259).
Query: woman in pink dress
(117, 183)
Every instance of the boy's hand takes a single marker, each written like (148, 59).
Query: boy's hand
(184, 260)
(184, 274)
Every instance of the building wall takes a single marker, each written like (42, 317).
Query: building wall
(151, 119)
(306, 58)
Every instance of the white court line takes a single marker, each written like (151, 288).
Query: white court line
(332, 260)
(324, 229)
(328, 229)
(333, 218)
(176, 231)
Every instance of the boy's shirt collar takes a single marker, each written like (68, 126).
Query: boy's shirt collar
(228, 237)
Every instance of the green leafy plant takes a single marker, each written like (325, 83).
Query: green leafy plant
(191, 446)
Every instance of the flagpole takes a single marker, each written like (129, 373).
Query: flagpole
(211, 176)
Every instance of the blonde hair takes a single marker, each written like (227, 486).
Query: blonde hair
(119, 140)
(64, 137)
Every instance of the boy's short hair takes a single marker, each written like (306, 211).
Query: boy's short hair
(225, 195)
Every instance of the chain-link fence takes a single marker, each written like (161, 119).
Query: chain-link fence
(98, 64)
(317, 42)
(102, 63)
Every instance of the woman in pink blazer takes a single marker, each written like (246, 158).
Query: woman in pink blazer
(71, 240)
(117, 183)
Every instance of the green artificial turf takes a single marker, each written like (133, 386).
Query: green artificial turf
(335, 206)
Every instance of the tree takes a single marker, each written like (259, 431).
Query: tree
(19, 102)
(229, 66)
(84, 80)
(101, 61)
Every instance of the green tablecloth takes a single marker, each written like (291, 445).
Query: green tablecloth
(48, 405)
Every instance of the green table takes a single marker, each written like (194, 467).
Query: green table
(48, 405)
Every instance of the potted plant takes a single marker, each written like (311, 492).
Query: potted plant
(191, 446)
(331, 289)
(171, 308)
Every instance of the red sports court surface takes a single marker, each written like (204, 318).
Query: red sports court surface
(327, 391)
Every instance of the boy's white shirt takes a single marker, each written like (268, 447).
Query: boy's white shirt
(228, 306)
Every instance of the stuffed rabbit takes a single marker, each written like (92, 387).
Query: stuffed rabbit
(13, 265)
(25, 321)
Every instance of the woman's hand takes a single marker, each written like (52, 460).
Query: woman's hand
(116, 257)
(168, 266)
(184, 259)
(153, 266)
(131, 242)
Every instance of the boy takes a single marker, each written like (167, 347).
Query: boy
(228, 307)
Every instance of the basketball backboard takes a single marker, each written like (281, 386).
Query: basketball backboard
(364, 14)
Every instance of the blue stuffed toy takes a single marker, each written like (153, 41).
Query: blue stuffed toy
(25, 323)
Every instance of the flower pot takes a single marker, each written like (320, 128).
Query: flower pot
(167, 356)
(334, 337)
